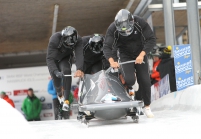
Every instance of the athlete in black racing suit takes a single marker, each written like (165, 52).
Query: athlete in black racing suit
(133, 38)
(61, 48)
(94, 59)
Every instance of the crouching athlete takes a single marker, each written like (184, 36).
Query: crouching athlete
(61, 48)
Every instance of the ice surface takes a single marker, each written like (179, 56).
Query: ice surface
(177, 116)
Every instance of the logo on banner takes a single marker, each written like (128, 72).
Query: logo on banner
(183, 66)
(41, 91)
(20, 92)
(42, 99)
(9, 93)
(48, 114)
(17, 101)
(46, 106)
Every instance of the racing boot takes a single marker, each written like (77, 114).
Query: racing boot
(65, 105)
(148, 113)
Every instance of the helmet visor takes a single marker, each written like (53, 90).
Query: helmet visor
(96, 47)
(125, 28)
(70, 40)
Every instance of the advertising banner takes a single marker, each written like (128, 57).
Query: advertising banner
(15, 82)
(183, 66)
(160, 88)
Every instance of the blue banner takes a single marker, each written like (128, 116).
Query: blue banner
(183, 66)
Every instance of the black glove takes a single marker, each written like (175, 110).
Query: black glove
(58, 74)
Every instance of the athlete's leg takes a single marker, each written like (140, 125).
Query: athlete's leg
(128, 72)
(57, 84)
(142, 72)
(56, 107)
(65, 66)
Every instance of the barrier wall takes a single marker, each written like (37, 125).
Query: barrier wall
(15, 83)
(188, 99)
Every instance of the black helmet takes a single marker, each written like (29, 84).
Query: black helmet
(156, 51)
(96, 43)
(124, 22)
(69, 36)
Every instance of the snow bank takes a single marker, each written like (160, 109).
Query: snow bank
(13, 125)
(185, 100)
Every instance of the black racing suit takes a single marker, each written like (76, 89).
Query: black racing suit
(129, 47)
(60, 58)
(92, 62)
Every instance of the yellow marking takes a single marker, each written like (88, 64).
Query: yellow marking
(123, 28)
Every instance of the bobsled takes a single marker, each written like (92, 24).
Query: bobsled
(103, 96)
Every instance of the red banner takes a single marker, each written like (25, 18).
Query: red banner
(20, 92)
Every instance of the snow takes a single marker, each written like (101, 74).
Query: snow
(177, 115)
(13, 125)
(185, 100)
